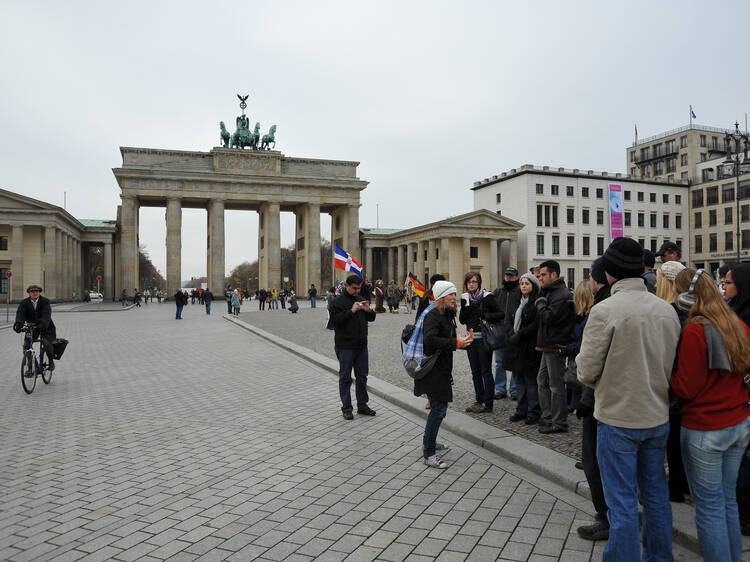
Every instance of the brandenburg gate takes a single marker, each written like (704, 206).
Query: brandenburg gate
(225, 178)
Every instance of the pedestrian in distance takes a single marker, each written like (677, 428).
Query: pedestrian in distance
(439, 336)
(556, 324)
(236, 302)
(713, 356)
(312, 292)
(124, 298)
(393, 296)
(350, 314)
(471, 313)
(293, 306)
(208, 298)
(627, 355)
(180, 301)
(228, 296)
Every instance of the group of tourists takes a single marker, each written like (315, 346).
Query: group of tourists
(271, 298)
(181, 299)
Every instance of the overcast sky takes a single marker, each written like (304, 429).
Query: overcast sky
(428, 96)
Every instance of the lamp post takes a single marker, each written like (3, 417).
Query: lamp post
(733, 163)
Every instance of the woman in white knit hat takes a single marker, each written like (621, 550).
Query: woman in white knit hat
(439, 337)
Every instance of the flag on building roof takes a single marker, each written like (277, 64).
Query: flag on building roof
(692, 113)
(636, 133)
(345, 261)
(419, 289)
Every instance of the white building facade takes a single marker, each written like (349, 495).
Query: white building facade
(566, 214)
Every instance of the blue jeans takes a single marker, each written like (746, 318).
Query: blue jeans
(431, 428)
(501, 376)
(208, 307)
(356, 359)
(312, 301)
(631, 460)
(179, 313)
(481, 373)
(712, 461)
(528, 396)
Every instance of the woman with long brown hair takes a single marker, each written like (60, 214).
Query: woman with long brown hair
(714, 354)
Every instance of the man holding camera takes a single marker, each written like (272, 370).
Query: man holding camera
(350, 314)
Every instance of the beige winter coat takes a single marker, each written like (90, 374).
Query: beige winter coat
(627, 353)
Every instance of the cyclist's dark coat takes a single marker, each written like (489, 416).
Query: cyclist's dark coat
(42, 316)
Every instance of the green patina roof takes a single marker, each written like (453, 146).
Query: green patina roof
(382, 230)
(97, 223)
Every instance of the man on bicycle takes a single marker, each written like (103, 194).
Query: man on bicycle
(36, 310)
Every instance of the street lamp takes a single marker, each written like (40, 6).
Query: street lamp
(733, 164)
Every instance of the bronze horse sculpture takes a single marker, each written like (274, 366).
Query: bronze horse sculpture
(269, 138)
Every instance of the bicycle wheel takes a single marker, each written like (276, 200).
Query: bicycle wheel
(46, 374)
(28, 372)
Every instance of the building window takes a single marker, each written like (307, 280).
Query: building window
(712, 195)
(437, 253)
(683, 159)
(4, 281)
(647, 171)
(539, 215)
(600, 245)
(555, 245)
(669, 146)
(729, 241)
(571, 215)
(586, 246)
(678, 222)
(712, 217)
(652, 197)
(712, 242)
(585, 216)
(632, 155)
(571, 278)
(554, 216)
(599, 216)
(698, 222)
(671, 164)
(641, 219)
(632, 172)
(627, 195)
(301, 243)
(569, 191)
(555, 190)
(425, 254)
(546, 215)
(744, 190)
(683, 141)
(539, 244)
(640, 196)
(727, 192)
(683, 175)
(653, 245)
(586, 273)
(599, 193)
(473, 252)
(728, 215)
(745, 239)
(657, 150)
(665, 220)
(658, 168)
(3, 243)
(642, 242)
(645, 153)
(497, 198)
(703, 156)
(698, 243)
(584, 192)
(697, 198)
(571, 245)
(665, 198)
(715, 143)
(539, 189)
(703, 140)
(652, 220)
(745, 213)
(627, 218)
(678, 199)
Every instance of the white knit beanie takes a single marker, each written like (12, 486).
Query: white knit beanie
(443, 288)
(670, 269)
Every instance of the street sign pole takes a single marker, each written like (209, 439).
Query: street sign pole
(8, 274)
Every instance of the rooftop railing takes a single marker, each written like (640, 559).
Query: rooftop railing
(680, 130)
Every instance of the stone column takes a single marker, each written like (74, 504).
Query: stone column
(17, 288)
(494, 283)
(390, 269)
(50, 262)
(262, 260)
(466, 255)
(173, 217)
(108, 276)
(410, 249)
(313, 249)
(369, 271)
(78, 273)
(431, 260)
(216, 244)
(400, 265)
(273, 244)
(445, 257)
(66, 265)
(129, 244)
(500, 266)
(419, 264)
(353, 232)
(513, 254)
(59, 270)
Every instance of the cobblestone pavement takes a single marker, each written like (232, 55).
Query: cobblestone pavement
(194, 440)
(307, 328)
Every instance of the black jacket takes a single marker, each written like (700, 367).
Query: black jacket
(180, 299)
(557, 316)
(208, 296)
(507, 299)
(439, 334)
(350, 328)
(521, 355)
(587, 392)
(41, 316)
(470, 313)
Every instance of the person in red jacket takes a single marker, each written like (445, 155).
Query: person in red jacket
(713, 354)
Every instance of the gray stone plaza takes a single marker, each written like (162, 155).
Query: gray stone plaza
(197, 440)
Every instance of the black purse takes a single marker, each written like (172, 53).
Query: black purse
(493, 334)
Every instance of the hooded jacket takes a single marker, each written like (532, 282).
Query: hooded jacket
(557, 316)
(506, 300)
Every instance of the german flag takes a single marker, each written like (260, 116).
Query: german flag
(419, 289)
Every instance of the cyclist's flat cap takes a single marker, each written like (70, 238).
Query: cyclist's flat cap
(34, 288)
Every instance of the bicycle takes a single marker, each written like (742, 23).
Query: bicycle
(32, 365)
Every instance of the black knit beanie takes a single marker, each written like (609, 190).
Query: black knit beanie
(623, 258)
(597, 271)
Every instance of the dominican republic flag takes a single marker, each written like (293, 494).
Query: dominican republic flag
(345, 261)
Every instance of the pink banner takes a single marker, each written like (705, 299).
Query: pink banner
(615, 211)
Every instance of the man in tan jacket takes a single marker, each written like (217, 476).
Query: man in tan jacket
(627, 352)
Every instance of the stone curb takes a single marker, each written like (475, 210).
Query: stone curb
(86, 309)
(549, 464)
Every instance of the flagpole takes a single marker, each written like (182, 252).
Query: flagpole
(691, 116)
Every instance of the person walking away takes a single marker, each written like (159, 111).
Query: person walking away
(556, 324)
(282, 298)
(599, 530)
(479, 356)
(312, 292)
(124, 298)
(146, 295)
(179, 301)
(627, 354)
(37, 310)
(350, 314)
(136, 298)
(521, 355)
(508, 297)
(713, 356)
(649, 273)
(439, 336)
(228, 296)
(208, 298)
(261, 299)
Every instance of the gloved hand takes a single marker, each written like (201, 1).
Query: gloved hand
(582, 411)
(540, 302)
(515, 339)
(17, 327)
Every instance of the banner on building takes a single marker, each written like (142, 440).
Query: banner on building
(615, 211)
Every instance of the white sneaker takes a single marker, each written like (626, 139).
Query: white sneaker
(435, 462)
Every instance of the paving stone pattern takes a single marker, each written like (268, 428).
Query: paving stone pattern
(194, 440)
(307, 328)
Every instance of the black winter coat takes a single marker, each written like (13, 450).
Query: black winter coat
(439, 334)
(350, 328)
(557, 317)
(41, 316)
(507, 299)
(522, 357)
(470, 313)
(180, 299)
